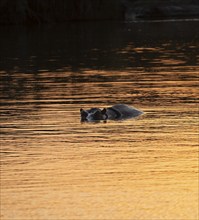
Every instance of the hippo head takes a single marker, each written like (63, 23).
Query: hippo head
(93, 114)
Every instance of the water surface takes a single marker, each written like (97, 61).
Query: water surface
(54, 167)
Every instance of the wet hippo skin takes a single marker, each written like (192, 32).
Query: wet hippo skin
(116, 112)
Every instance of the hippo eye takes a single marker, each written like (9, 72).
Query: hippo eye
(103, 111)
(104, 114)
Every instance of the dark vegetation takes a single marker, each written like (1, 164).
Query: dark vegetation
(57, 11)
(45, 11)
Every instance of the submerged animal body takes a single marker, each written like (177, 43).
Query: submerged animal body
(116, 112)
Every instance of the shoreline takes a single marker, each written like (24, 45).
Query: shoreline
(27, 12)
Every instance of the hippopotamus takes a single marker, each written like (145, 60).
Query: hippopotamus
(116, 112)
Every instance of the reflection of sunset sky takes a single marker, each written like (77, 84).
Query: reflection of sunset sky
(52, 166)
(50, 159)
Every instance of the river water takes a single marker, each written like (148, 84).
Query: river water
(55, 167)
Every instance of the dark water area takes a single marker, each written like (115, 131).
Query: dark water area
(55, 167)
(77, 47)
(97, 45)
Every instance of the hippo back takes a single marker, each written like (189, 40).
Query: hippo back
(122, 111)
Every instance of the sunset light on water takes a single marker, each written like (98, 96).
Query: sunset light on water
(55, 167)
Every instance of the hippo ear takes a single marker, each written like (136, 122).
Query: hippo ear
(103, 111)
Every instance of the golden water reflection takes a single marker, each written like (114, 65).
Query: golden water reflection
(54, 167)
